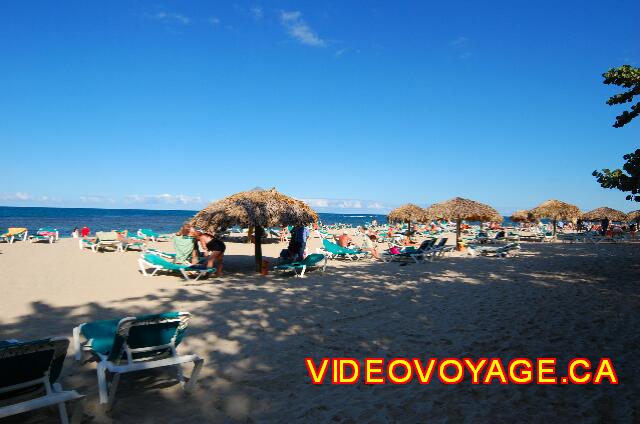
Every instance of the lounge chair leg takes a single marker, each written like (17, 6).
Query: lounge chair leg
(112, 390)
(197, 366)
(102, 383)
(76, 343)
(304, 268)
(78, 411)
(180, 374)
(62, 409)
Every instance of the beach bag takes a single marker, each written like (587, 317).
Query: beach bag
(395, 250)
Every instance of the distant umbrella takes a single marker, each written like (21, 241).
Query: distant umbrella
(556, 210)
(523, 216)
(257, 208)
(458, 209)
(407, 213)
(604, 212)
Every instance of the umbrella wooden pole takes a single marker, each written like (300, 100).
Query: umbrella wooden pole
(554, 227)
(258, 247)
(458, 223)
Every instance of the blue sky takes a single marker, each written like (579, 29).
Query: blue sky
(354, 106)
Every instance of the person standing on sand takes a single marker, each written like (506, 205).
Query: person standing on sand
(604, 224)
(299, 236)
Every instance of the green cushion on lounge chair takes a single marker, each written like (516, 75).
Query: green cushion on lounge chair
(339, 250)
(311, 260)
(157, 260)
(106, 236)
(106, 341)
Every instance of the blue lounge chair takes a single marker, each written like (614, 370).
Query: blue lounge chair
(311, 261)
(336, 251)
(33, 367)
(158, 263)
(135, 344)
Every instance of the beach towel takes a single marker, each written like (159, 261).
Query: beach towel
(184, 246)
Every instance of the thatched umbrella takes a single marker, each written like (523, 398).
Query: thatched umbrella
(256, 208)
(407, 213)
(604, 212)
(556, 210)
(523, 216)
(634, 216)
(459, 209)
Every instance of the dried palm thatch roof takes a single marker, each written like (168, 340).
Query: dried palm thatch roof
(258, 208)
(407, 213)
(634, 216)
(604, 212)
(459, 209)
(556, 210)
(523, 216)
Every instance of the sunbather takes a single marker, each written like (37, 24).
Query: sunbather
(344, 240)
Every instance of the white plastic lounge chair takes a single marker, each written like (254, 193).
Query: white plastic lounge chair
(107, 239)
(311, 261)
(158, 263)
(29, 372)
(135, 344)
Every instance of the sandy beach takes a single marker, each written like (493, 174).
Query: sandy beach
(562, 300)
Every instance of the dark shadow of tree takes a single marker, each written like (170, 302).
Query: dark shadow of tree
(254, 332)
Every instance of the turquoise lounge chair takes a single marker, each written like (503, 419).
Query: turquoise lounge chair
(135, 344)
(157, 263)
(150, 234)
(311, 261)
(35, 366)
(333, 250)
(49, 235)
(166, 255)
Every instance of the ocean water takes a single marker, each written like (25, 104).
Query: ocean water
(66, 219)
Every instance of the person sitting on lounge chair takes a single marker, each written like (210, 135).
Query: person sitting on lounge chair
(344, 240)
(368, 243)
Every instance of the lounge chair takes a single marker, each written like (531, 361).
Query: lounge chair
(48, 235)
(511, 249)
(135, 344)
(311, 261)
(14, 234)
(158, 263)
(134, 244)
(30, 370)
(86, 243)
(107, 239)
(336, 251)
(428, 250)
(166, 255)
(152, 235)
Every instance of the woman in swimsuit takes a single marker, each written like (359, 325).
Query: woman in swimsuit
(213, 246)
